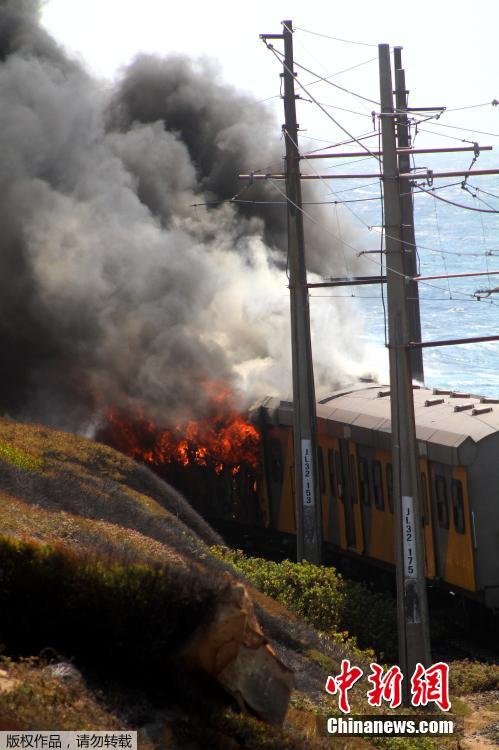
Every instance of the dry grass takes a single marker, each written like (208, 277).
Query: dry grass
(473, 677)
(74, 478)
(21, 520)
(38, 700)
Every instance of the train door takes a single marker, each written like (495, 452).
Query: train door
(334, 526)
(428, 519)
(440, 482)
(347, 494)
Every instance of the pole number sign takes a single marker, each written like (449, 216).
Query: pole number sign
(307, 469)
(410, 561)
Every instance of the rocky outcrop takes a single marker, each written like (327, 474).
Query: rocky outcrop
(234, 650)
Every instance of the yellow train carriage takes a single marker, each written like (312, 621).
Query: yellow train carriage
(458, 442)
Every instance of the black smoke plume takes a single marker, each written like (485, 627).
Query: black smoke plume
(114, 290)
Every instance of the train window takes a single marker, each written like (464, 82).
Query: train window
(320, 462)
(379, 500)
(442, 505)
(389, 485)
(365, 497)
(458, 506)
(276, 467)
(353, 477)
(339, 476)
(332, 478)
(424, 499)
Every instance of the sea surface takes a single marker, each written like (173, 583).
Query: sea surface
(449, 240)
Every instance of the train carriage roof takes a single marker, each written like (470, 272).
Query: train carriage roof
(445, 433)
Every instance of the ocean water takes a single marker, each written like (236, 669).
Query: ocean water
(449, 240)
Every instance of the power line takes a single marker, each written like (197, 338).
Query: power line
(345, 70)
(458, 205)
(325, 229)
(347, 244)
(469, 130)
(336, 165)
(476, 196)
(334, 38)
(362, 137)
(484, 191)
(282, 203)
(276, 55)
(325, 80)
(353, 295)
(472, 106)
(311, 218)
(343, 109)
(338, 73)
(372, 228)
(443, 135)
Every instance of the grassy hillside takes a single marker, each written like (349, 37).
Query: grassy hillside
(105, 567)
(108, 566)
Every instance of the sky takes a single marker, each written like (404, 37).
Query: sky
(450, 49)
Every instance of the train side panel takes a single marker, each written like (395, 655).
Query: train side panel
(484, 520)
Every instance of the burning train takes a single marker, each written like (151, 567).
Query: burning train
(243, 474)
(114, 291)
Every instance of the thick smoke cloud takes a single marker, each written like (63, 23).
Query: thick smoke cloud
(114, 290)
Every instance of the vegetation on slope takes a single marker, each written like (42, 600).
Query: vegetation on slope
(345, 610)
(103, 562)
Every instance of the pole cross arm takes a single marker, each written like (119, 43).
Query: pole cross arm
(451, 342)
(426, 175)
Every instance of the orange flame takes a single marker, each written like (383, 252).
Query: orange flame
(225, 440)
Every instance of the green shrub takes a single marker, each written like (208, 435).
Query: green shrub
(324, 599)
(371, 617)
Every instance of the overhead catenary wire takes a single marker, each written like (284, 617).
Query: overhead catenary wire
(335, 106)
(362, 137)
(335, 38)
(443, 135)
(339, 164)
(492, 195)
(282, 203)
(324, 79)
(468, 130)
(493, 103)
(432, 299)
(484, 240)
(372, 228)
(345, 70)
(329, 75)
(347, 132)
(440, 244)
(353, 139)
(476, 196)
(347, 244)
(369, 258)
(336, 202)
(458, 205)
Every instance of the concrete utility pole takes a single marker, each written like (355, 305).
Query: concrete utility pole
(307, 495)
(407, 210)
(412, 608)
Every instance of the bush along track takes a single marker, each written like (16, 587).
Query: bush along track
(344, 610)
